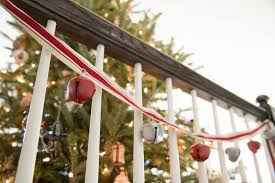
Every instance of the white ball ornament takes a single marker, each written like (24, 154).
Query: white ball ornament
(152, 132)
(20, 56)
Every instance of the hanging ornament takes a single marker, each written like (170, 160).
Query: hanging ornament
(270, 134)
(254, 146)
(117, 154)
(122, 178)
(113, 6)
(65, 73)
(57, 128)
(80, 89)
(49, 142)
(106, 171)
(26, 100)
(83, 149)
(20, 56)
(50, 139)
(24, 122)
(116, 20)
(152, 132)
(200, 152)
(233, 153)
(25, 117)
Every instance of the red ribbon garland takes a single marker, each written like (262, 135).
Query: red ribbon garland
(63, 51)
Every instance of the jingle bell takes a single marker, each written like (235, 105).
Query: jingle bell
(254, 146)
(233, 153)
(152, 132)
(200, 152)
(80, 89)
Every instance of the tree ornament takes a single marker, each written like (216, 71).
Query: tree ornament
(80, 89)
(116, 20)
(117, 154)
(20, 56)
(233, 153)
(254, 146)
(26, 100)
(24, 122)
(270, 134)
(113, 6)
(152, 132)
(122, 178)
(50, 139)
(49, 142)
(65, 73)
(200, 152)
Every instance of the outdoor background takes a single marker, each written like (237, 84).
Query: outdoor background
(232, 43)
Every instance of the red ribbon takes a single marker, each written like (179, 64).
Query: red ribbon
(69, 57)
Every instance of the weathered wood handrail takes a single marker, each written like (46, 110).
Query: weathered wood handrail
(87, 28)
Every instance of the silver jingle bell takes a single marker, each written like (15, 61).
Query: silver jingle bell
(152, 132)
(270, 134)
(233, 153)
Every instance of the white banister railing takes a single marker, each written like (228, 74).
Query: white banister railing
(256, 164)
(92, 164)
(172, 138)
(234, 130)
(138, 156)
(223, 168)
(28, 153)
(267, 155)
(202, 172)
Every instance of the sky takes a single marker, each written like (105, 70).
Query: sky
(233, 39)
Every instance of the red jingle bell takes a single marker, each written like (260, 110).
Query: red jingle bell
(200, 152)
(80, 89)
(254, 146)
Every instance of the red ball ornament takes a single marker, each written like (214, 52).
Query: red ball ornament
(200, 152)
(80, 89)
(254, 146)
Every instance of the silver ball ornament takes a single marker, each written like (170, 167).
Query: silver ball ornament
(233, 153)
(152, 132)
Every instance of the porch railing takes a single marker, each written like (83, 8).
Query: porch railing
(87, 28)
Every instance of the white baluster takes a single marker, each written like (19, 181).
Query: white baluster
(256, 164)
(138, 162)
(234, 129)
(28, 153)
(173, 145)
(203, 178)
(220, 145)
(268, 159)
(92, 164)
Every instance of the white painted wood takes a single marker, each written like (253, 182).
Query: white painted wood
(202, 172)
(28, 153)
(221, 153)
(268, 159)
(172, 139)
(266, 149)
(92, 164)
(138, 162)
(256, 164)
(234, 129)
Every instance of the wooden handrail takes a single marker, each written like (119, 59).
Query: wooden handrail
(89, 29)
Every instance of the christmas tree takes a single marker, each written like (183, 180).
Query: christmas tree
(65, 160)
